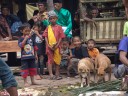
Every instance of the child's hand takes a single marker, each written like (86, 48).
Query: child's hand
(56, 46)
(36, 32)
(50, 47)
(26, 37)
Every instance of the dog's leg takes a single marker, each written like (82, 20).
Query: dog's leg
(104, 78)
(82, 83)
(122, 83)
(109, 73)
(88, 80)
(94, 72)
(96, 77)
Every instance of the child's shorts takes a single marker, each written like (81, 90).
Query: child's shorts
(64, 63)
(28, 67)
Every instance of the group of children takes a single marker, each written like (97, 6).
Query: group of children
(60, 51)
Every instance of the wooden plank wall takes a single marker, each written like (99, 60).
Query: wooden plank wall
(105, 29)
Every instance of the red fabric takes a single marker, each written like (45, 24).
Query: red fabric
(35, 48)
(32, 71)
(59, 34)
(22, 45)
(24, 73)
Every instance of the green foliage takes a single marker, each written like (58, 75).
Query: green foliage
(107, 86)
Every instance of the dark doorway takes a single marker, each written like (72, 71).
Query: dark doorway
(72, 6)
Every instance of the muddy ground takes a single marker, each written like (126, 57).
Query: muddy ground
(56, 87)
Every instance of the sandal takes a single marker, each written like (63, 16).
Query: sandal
(58, 78)
(53, 78)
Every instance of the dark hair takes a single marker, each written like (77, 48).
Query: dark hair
(35, 12)
(65, 40)
(40, 25)
(75, 37)
(4, 6)
(24, 25)
(44, 3)
(95, 8)
(92, 41)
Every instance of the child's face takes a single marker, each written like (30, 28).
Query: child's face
(53, 19)
(91, 45)
(77, 42)
(65, 45)
(26, 31)
(36, 28)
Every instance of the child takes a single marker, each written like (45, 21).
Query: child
(80, 52)
(28, 54)
(93, 52)
(53, 36)
(66, 53)
(40, 43)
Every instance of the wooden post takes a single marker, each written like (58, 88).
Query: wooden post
(50, 5)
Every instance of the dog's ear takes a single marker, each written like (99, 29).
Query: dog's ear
(80, 70)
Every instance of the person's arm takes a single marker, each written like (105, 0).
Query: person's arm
(70, 56)
(61, 36)
(37, 33)
(8, 29)
(22, 41)
(69, 22)
(46, 40)
(58, 43)
(123, 58)
(25, 39)
(85, 52)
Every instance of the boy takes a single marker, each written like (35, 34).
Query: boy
(53, 36)
(80, 52)
(93, 52)
(66, 53)
(40, 43)
(28, 54)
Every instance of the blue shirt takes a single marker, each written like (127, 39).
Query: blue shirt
(123, 46)
(27, 50)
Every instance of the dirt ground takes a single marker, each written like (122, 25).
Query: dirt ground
(46, 82)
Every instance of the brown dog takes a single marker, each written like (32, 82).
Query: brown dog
(85, 66)
(102, 63)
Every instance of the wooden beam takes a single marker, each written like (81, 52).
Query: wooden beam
(9, 46)
(98, 1)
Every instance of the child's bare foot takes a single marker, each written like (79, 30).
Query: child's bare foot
(38, 77)
(26, 84)
(41, 76)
